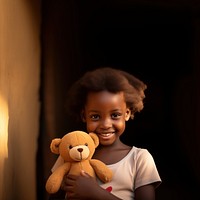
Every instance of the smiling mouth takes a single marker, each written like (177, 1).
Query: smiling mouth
(106, 135)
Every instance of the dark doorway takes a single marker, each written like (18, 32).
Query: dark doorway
(154, 41)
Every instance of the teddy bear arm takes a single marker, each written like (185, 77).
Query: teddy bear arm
(55, 179)
(103, 172)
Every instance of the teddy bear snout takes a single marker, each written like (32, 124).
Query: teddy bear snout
(80, 152)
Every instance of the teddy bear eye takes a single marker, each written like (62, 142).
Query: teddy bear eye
(70, 146)
(86, 144)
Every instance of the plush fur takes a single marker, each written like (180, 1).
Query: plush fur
(77, 149)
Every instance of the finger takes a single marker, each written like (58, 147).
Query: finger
(83, 173)
(71, 177)
(69, 181)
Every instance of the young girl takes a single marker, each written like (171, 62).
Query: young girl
(105, 99)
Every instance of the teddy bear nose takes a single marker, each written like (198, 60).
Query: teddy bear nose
(80, 149)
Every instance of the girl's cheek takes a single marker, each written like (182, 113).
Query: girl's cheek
(91, 127)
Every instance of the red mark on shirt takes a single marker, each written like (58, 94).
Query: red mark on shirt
(109, 189)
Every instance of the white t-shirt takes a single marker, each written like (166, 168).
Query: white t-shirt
(136, 169)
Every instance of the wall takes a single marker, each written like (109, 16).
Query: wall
(19, 97)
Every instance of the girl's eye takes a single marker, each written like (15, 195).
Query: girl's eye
(94, 117)
(116, 115)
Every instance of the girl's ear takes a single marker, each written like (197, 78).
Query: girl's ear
(83, 116)
(127, 114)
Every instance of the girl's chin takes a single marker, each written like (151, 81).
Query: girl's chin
(107, 142)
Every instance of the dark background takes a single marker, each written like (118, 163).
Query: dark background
(157, 41)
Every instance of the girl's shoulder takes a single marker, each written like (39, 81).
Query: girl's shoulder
(138, 151)
(135, 151)
(137, 155)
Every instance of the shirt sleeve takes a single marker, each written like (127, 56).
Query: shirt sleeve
(146, 170)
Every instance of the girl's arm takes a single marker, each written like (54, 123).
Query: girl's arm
(146, 192)
(85, 187)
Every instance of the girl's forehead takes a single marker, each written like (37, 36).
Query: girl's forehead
(105, 98)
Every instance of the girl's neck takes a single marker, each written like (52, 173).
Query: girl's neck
(115, 146)
(112, 153)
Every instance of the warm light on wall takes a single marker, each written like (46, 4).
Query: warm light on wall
(3, 139)
(3, 130)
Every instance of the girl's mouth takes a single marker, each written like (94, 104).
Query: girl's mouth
(105, 135)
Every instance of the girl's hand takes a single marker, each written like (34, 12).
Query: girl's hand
(81, 187)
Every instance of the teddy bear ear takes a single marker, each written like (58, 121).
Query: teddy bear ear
(95, 139)
(54, 146)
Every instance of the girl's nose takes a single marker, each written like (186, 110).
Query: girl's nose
(106, 123)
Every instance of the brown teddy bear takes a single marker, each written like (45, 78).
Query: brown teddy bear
(77, 149)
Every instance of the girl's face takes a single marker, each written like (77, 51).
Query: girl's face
(105, 114)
